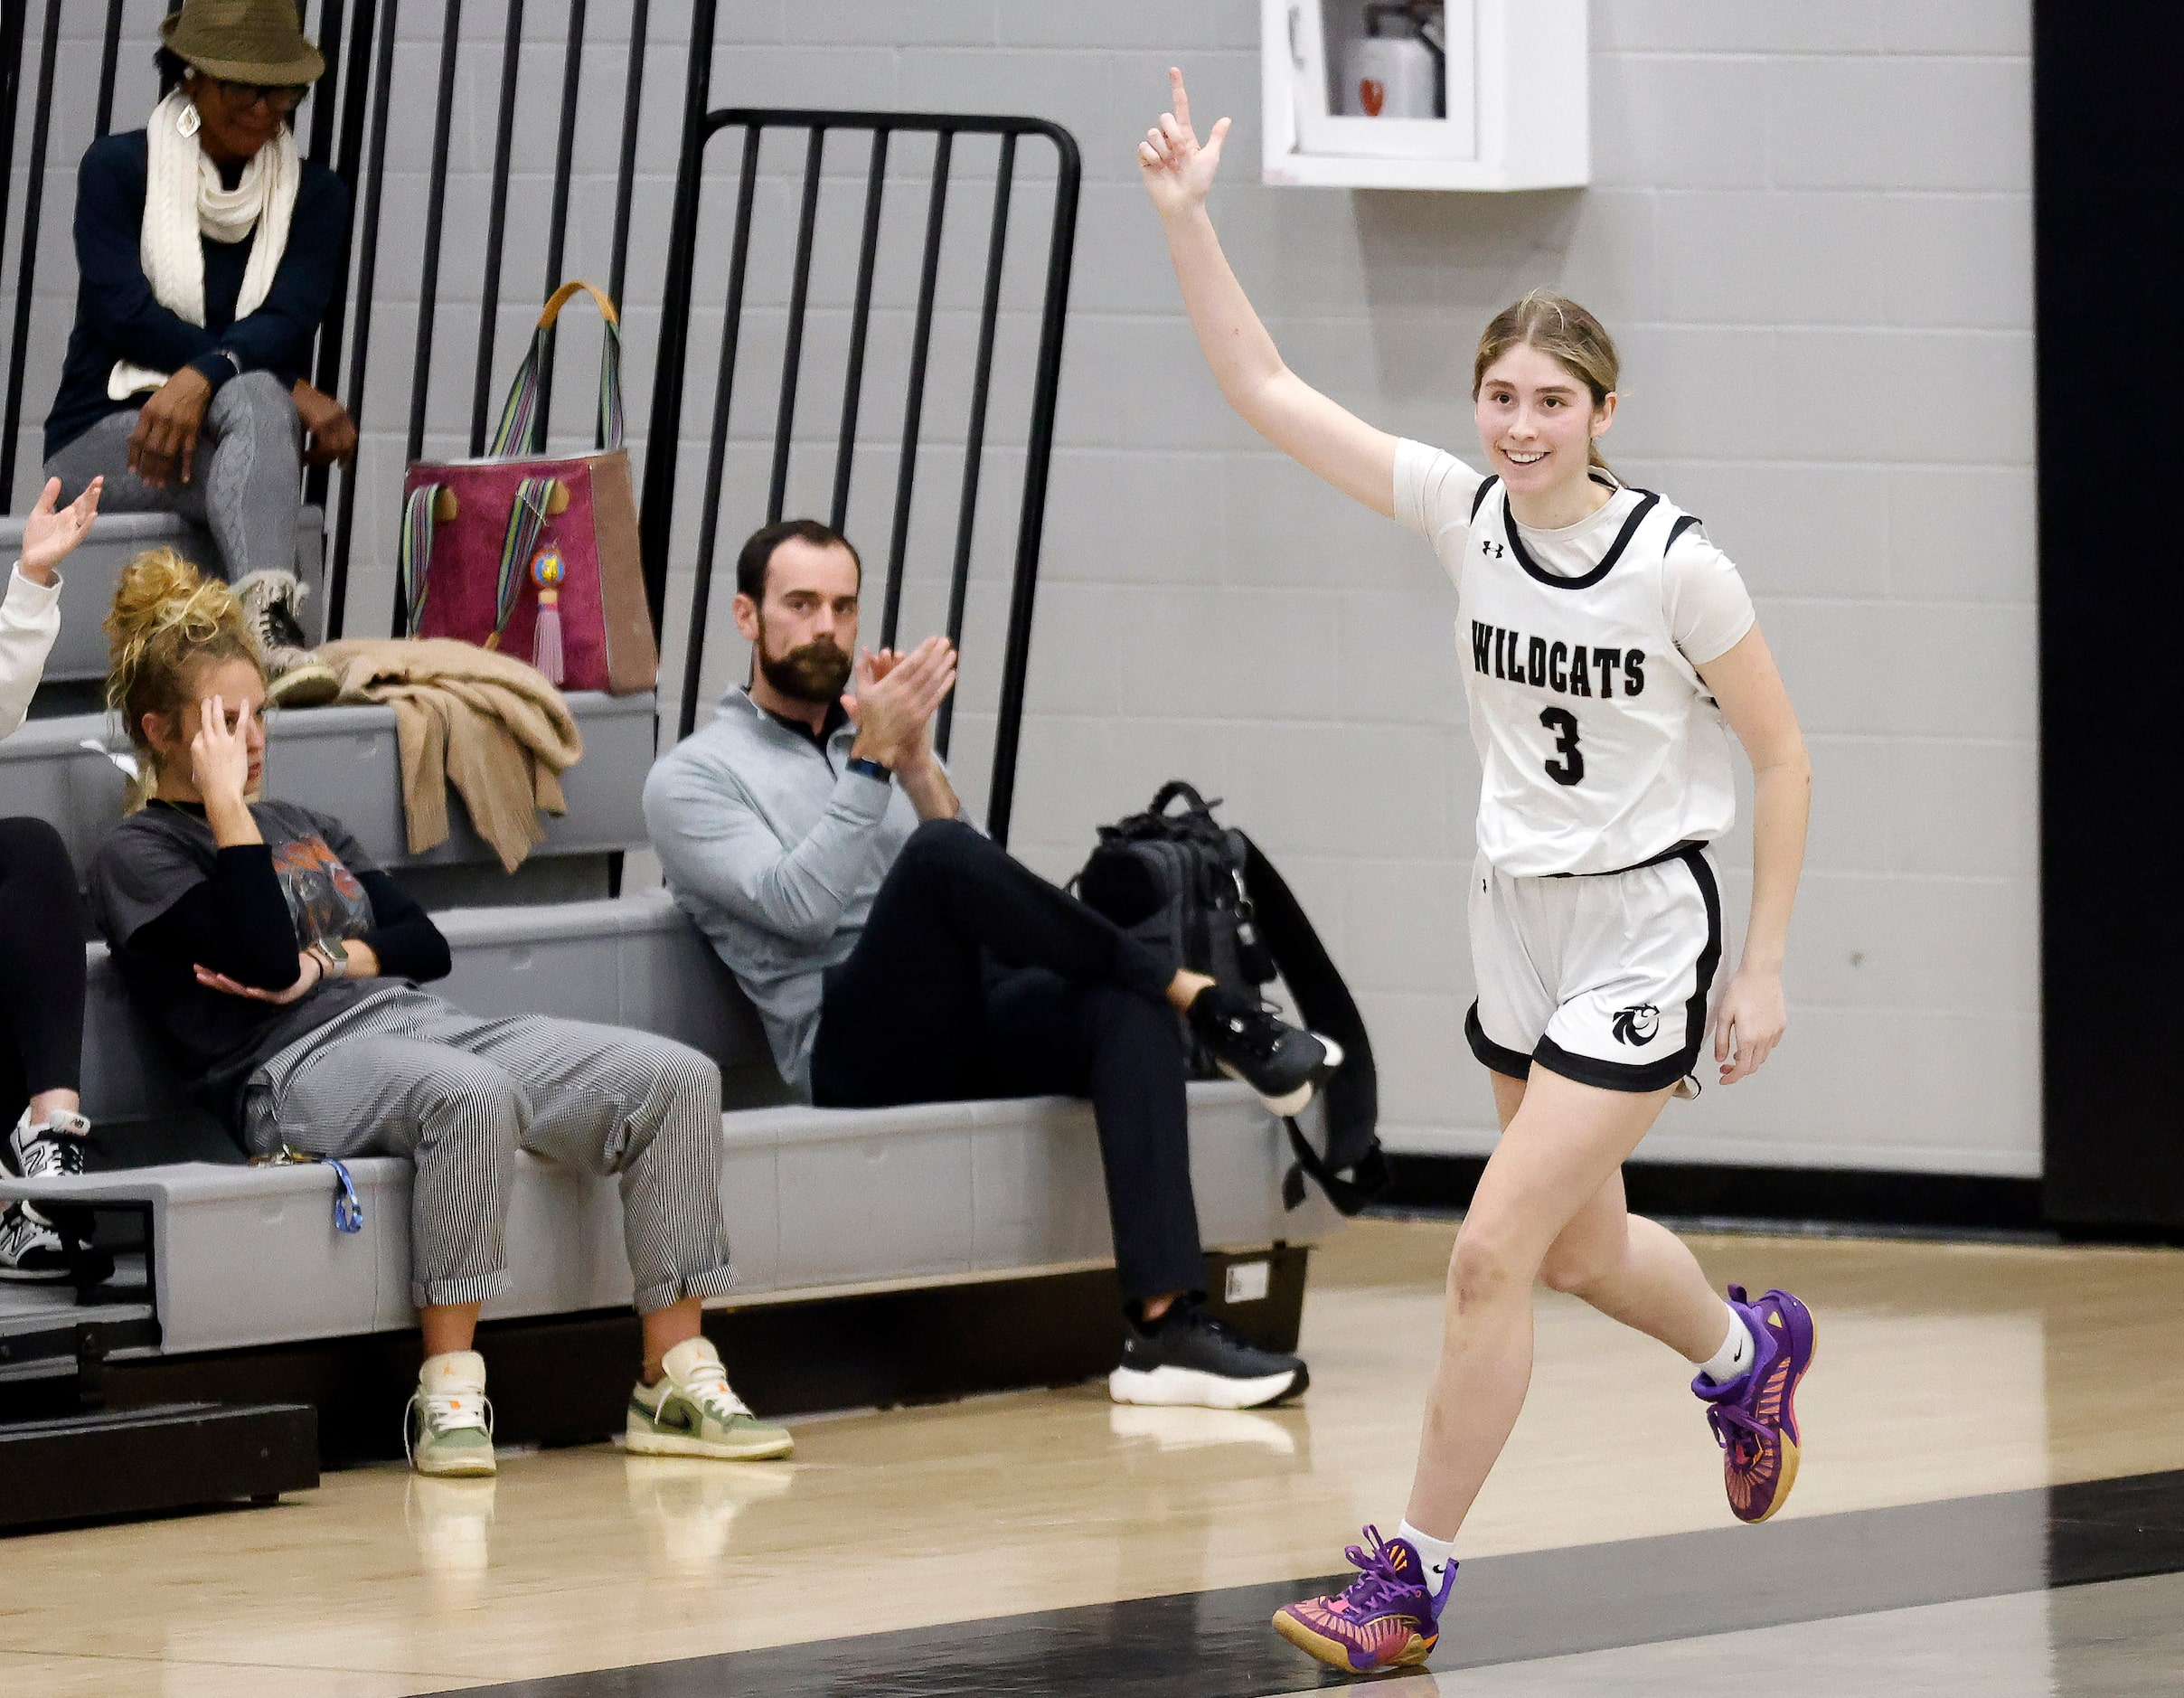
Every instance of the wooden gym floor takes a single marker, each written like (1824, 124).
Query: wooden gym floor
(1050, 1542)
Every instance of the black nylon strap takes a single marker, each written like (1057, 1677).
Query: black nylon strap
(1351, 1099)
(1348, 1196)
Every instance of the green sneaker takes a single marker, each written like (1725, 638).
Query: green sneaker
(693, 1413)
(447, 1428)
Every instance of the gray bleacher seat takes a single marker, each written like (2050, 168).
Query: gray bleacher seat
(817, 1201)
(87, 579)
(345, 761)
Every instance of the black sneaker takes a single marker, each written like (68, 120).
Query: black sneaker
(1189, 1357)
(1285, 1064)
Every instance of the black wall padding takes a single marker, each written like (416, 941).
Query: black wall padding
(2109, 231)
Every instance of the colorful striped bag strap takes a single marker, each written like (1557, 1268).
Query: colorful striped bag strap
(413, 552)
(522, 429)
(526, 518)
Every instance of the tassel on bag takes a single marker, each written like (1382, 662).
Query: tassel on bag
(527, 517)
(547, 570)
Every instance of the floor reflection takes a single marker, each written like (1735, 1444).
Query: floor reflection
(688, 1506)
(1195, 1429)
(451, 1522)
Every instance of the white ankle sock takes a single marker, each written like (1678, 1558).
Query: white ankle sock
(1735, 1354)
(1435, 1553)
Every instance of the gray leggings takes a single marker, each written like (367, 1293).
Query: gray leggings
(407, 1074)
(246, 488)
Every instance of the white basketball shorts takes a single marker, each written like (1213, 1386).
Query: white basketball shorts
(1600, 978)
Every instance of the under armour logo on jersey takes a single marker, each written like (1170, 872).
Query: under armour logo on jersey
(1638, 1025)
(1487, 545)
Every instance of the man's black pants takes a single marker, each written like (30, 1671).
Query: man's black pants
(977, 978)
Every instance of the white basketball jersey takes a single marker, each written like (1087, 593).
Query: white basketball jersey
(1599, 744)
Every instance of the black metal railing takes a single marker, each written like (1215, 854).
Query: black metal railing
(881, 164)
(345, 124)
(928, 371)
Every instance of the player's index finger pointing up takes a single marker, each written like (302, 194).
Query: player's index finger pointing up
(1183, 98)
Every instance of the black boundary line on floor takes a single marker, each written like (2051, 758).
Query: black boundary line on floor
(1508, 1610)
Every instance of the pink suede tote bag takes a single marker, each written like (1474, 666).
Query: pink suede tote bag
(532, 554)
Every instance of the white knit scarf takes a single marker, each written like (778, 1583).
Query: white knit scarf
(184, 198)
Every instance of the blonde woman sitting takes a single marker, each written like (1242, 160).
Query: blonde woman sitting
(282, 968)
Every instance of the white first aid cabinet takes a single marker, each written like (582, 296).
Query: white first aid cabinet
(1346, 86)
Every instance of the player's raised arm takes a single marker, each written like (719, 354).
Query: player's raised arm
(1324, 438)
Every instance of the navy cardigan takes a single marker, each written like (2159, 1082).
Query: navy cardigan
(117, 317)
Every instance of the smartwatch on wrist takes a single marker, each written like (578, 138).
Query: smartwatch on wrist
(871, 768)
(332, 955)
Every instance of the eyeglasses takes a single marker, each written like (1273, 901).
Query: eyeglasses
(240, 97)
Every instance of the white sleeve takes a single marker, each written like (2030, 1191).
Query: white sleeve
(1709, 607)
(29, 619)
(1433, 488)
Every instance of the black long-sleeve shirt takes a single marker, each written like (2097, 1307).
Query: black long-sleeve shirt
(237, 922)
(169, 900)
(118, 316)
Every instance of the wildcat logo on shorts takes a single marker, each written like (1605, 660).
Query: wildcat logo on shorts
(1637, 1025)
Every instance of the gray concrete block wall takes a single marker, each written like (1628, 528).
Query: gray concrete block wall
(1810, 229)
(1811, 233)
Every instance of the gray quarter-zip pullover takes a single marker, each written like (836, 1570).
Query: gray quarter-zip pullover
(776, 849)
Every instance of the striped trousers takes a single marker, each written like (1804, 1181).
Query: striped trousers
(404, 1073)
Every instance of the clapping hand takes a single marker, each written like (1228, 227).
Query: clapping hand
(896, 698)
(1177, 168)
(49, 536)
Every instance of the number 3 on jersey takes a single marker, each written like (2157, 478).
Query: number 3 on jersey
(1571, 768)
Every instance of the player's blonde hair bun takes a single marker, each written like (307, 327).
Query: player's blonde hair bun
(168, 622)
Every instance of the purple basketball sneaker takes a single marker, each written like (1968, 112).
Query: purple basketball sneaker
(1755, 1416)
(1388, 1617)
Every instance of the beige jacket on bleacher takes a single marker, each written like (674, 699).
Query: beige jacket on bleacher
(486, 723)
(30, 619)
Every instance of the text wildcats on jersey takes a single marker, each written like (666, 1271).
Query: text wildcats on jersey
(1566, 668)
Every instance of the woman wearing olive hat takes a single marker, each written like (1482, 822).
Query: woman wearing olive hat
(207, 249)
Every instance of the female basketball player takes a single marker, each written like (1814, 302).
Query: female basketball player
(1603, 640)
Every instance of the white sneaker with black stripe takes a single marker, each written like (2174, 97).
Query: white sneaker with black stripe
(31, 1250)
(42, 1248)
(53, 1150)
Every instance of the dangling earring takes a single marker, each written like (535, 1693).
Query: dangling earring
(189, 122)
